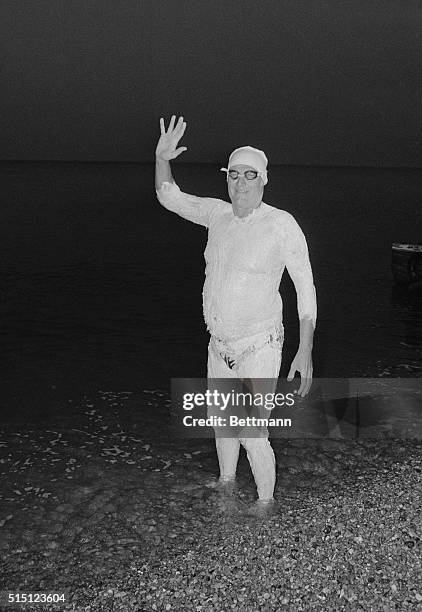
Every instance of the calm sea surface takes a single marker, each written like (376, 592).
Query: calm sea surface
(101, 288)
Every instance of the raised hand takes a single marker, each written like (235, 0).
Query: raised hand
(167, 144)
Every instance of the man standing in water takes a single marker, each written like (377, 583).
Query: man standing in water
(249, 245)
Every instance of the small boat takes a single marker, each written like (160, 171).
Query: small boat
(406, 264)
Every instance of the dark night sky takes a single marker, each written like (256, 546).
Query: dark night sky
(313, 82)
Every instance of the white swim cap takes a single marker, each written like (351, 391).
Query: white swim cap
(249, 156)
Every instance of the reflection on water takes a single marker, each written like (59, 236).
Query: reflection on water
(111, 297)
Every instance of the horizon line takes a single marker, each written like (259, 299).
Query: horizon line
(286, 165)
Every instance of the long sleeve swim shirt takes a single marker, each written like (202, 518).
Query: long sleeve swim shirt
(245, 259)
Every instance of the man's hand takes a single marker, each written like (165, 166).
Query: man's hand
(167, 145)
(302, 363)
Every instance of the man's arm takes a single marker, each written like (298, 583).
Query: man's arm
(162, 172)
(190, 207)
(306, 332)
(167, 149)
(300, 271)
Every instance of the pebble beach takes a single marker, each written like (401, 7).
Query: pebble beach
(116, 516)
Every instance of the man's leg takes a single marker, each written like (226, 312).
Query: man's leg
(261, 371)
(227, 448)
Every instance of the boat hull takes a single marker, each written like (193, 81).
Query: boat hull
(406, 263)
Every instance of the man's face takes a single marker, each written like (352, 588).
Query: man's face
(245, 194)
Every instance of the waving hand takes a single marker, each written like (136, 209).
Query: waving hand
(167, 145)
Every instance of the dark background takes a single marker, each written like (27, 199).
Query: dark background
(333, 82)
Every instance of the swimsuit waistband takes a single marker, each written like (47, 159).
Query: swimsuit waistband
(235, 351)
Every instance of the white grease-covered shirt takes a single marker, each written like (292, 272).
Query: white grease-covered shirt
(245, 259)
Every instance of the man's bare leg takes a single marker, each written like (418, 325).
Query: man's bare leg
(260, 373)
(228, 456)
(227, 448)
(262, 461)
